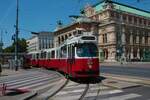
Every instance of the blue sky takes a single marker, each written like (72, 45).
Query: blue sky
(42, 15)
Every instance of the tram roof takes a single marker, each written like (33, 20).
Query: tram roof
(78, 38)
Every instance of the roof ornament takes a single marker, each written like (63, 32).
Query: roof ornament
(59, 25)
(108, 4)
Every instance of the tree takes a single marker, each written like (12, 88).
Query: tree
(22, 47)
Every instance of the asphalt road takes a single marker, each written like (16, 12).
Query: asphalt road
(138, 71)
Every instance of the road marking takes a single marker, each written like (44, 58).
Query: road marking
(76, 97)
(29, 83)
(101, 88)
(23, 79)
(67, 92)
(41, 84)
(123, 97)
(44, 86)
(103, 93)
(115, 91)
(27, 80)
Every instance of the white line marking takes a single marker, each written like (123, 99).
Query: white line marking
(29, 83)
(104, 93)
(115, 91)
(124, 97)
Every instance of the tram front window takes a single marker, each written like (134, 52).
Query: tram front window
(87, 50)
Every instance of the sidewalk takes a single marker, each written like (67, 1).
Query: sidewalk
(15, 95)
(126, 64)
(8, 72)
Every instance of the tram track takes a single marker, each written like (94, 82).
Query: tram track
(59, 89)
(61, 86)
(84, 92)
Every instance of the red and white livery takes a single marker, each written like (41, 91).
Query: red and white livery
(77, 57)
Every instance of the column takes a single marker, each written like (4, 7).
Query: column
(138, 53)
(131, 53)
(127, 19)
(143, 53)
(143, 40)
(128, 54)
(137, 37)
(131, 39)
(123, 38)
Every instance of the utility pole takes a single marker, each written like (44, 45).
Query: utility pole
(1, 41)
(16, 36)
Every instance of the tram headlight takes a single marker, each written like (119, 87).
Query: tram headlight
(90, 63)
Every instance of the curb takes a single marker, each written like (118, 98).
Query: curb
(32, 94)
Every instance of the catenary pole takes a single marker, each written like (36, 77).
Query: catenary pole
(16, 36)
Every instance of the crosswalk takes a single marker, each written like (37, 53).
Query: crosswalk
(31, 80)
(44, 82)
(73, 91)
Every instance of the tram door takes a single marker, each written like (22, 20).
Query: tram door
(71, 58)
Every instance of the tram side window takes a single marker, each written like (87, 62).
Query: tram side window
(33, 56)
(53, 54)
(37, 56)
(43, 54)
(63, 52)
(48, 55)
(71, 51)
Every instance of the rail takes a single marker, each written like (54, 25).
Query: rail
(84, 92)
(66, 82)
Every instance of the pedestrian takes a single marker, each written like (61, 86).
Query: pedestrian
(0, 69)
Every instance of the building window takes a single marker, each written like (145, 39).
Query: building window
(66, 37)
(134, 39)
(130, 19)
(75, 32)
(62, 38)
(124, 18)
(135, 20)
(96, 17)
(144, 22)
(105, 38)
(58, 40)
(112, 14)
(69, 34)
(117, 16)
(146, 39)
(140, 21)
(149, 23)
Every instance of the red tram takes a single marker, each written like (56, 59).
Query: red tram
(77, 57)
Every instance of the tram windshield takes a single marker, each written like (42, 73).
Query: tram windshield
(87, 50)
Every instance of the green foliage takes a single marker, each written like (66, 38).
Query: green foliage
(22, 47)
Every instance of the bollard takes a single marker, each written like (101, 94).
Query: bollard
(0, 69)
(3, 89)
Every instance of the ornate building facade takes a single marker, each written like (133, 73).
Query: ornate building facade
(123, 32)
(76, 27)
(40, 41)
